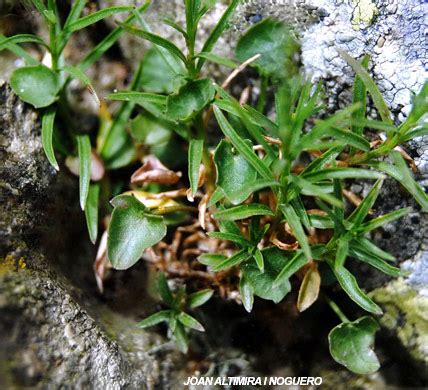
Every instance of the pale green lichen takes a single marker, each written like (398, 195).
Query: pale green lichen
(364, 13)
(406, 314)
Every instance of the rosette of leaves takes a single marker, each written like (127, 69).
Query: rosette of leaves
(176, 317)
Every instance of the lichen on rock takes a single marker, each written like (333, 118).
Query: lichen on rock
(406, 315)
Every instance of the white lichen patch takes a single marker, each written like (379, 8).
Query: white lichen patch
(364, 13)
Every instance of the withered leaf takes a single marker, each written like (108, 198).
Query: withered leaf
(153, 171)
(309, 288)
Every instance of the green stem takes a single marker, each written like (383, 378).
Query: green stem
(53, 46)
(382, 150)
(54, 32)
(336, 309)
(206, 157)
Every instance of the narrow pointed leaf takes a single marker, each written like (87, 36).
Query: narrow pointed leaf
(236, 238)
(199, 298)
(343, 173)
(217, 31)
(360, 213)
(95, 17)
(154, 319)
(21, 38)
(218, 59)
(175, 26)
(243, 211)
(75, 11)
(190, 322)
(19, 52)
(77, 73)
(368, 246)
(292, 266)
(349, 138)
(91, 211)
(402, 174)
(314, 190)
(297, 228)
(370, 85)
(232, 261)
(106, 43)
(47, 132)
(359, 95)
(84, 152)
(321, 222)
(300, 210)
(164, 290)
(216, 196)
(322, 160)
(181, 338)
(250, 188)
(241, 145)
(341, 252)
(138, 97)
(255, 131)
(375, 261)
(196, 148)
(156, 39)
(383, 220)
(258, 257)
(212, 259)
(349, 284)
(256, 117)
(117, 145)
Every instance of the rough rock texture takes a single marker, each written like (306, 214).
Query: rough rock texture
(47, 338)
(406, 314)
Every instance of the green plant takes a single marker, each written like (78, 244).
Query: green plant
(274, 186)
(176, 317)
(44, 86)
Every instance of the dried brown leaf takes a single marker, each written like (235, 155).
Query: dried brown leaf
(101, 264)
(153, 171)
(309, 289)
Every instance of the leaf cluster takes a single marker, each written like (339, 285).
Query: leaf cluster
(176, 317)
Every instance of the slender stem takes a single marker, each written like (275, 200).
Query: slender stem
(52, 39)
(336, 309)
(206, 157)
(382, 150)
